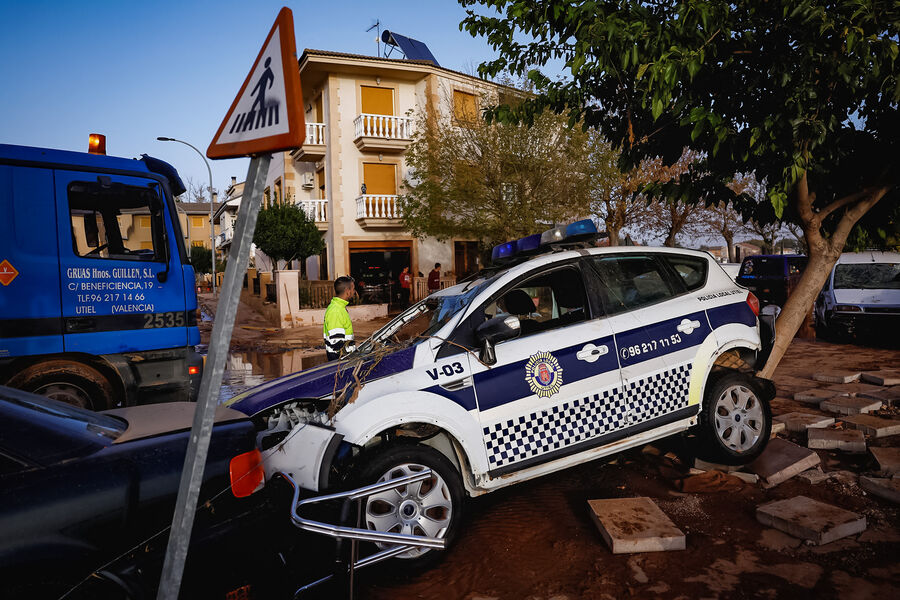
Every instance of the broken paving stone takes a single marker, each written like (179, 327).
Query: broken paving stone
(814, 476)
(874, 426)
(777, 427)
(889, 489)
(853, 388)
(746, 477)
(710, 482)
(850, 405)
(848, 440)
(837, 376)
(799, 422)
(810, 519)
(888, 459)
(781, 460)
(708, 466)
(887, 396)
(847, 478)
(883, 377)
(635, 525)
(815, 396)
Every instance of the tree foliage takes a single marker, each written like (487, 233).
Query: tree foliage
(201, 259)
(285, 233)
(802, 93)
(493, 182)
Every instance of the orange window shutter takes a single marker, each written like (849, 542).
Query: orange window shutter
(464, 107)
(380, 178)
(377, 100)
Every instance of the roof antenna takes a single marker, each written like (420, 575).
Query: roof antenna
(377, 27)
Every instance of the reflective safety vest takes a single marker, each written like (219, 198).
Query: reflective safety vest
(338, 330)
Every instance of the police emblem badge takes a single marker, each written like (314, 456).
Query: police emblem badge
(543, 374)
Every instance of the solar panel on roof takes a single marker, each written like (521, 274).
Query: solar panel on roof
(412, 49)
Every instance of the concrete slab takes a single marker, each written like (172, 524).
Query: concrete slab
(799, 422)
(777, 427)
(887, 396)
(781, 460)
(815, 395)
(850, 405)
(708, 466)
(882, 377)
(853, 388)
(848, 440)
(635, 525)
(810, 519)
(837, 376)
(872, 425)
(746, 477)
(889, 489)
(888, 459)
(814, 476)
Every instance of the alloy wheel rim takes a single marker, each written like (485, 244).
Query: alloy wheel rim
(423, 508)
(738, 418)
(66, 392)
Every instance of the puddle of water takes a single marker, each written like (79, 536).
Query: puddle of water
(245, 370)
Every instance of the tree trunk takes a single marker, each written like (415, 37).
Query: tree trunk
(729, 241)
(670, 239)
(613, 233)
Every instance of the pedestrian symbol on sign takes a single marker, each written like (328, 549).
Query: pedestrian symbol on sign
(260, 111)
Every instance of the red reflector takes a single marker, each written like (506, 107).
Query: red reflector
(753, 301)
(193, 370)
(246, 472)
(97, 143)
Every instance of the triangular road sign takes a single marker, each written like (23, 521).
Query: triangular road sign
(267, 114)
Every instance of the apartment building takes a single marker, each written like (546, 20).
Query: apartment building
(348, 174)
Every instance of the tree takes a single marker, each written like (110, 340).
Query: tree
(667, 220)
(720, 219)
(201, 259)
(285, 233)
(493, 182)
(194, 192)
(803, 93)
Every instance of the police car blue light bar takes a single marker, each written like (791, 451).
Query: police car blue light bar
(503, 252)
(528, 244)
(532, 244)
(580, 230)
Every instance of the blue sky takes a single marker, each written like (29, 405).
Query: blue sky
(138, 70)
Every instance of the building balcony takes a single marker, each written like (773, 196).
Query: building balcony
(313, 148)
(382, 133)
(378, 211)
(316, 211)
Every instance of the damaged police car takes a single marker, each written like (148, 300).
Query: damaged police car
(561, 354)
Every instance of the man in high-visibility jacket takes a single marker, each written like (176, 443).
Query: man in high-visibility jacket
(338, 329)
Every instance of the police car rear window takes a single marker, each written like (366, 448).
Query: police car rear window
(691, 269)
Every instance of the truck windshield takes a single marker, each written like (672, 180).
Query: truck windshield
(425, 318)
(867, 276)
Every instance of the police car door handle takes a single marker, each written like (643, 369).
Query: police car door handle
(687, 326)
(454, 386)
(591, 353)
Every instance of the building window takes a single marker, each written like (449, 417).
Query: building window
(197, 222)
(380, 178)
(267, 195)
(465, 108)
(376, 100)
(144, 222)
(146, 245)
(278, 197)
(198, 244)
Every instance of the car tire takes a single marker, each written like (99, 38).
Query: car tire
(70, 382)
(437, 511)
(735, 421)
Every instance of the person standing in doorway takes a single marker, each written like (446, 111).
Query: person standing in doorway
(405, 283)
(434, 278)
(338, 330)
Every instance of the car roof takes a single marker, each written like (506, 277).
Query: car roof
(869, 256)
(66, 158)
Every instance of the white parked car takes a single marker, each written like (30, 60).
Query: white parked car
(558, 357)
(861, 295)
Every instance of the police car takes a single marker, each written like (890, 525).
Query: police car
(561, 354)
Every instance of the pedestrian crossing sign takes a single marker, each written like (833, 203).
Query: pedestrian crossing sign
(267, 114)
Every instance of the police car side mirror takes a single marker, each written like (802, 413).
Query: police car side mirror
(496, 330)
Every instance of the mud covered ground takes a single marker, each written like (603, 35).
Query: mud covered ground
(536, 540)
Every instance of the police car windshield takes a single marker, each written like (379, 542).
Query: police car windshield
(425, 318)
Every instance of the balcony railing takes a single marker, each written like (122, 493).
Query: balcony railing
(316, 210)
(383, 126)
(315, 133)
(377, 206)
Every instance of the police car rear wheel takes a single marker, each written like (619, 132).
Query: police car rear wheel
(430, 508)
(736, 421)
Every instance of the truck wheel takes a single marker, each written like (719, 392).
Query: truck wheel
(69, 382)
(735, 422)
(431, 508)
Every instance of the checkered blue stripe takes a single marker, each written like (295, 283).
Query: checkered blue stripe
(569, 423)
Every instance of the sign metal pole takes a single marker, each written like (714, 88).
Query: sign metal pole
(201, 431)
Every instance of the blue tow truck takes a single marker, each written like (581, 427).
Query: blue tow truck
(97, 300)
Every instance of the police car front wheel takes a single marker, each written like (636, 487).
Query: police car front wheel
(736, 421)
(430, 508)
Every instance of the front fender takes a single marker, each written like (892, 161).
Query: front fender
(361, 422)
(721, 340)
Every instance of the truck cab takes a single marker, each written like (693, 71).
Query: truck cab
(97, 299)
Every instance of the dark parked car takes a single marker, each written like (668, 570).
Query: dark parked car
(771, 277)
(86, 498)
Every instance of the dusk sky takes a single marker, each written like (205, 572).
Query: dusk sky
(138, 70)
